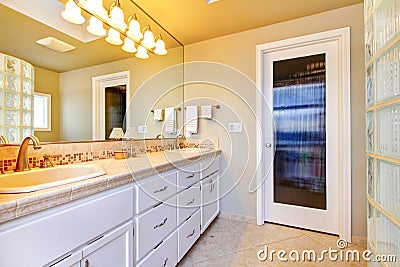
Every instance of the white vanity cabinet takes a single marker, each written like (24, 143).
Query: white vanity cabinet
(209, 193)
(46, 237)
(111, 249)
(174, 213)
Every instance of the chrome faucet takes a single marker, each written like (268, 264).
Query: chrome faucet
(3, 139)
(159, 136)
(22, 160)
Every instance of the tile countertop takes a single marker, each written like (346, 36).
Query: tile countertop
(118, 172)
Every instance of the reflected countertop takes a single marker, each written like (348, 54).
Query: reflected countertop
(118, 173)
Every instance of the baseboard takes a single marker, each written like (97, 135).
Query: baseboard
(237, 217)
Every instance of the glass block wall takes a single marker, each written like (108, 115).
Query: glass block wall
(382, 81)
(16, 98)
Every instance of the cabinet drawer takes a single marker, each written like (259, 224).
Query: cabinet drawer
(209, 200)
(188, 233)
(188, 175)
(189, 201)
(153, 226)
(165, 255)
(154, 190)
(209, 166)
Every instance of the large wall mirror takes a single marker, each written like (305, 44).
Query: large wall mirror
(68, 77)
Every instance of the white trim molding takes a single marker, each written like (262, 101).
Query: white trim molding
(99, 83)
(342, 37)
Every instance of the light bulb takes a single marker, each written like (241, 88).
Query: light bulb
(129, 46)
(142, 53)
(160, 47)
(134, 30)
(148, 39)
(114, 37)
(116, 19)
(96, 7)
(72, 13)
(96, 27)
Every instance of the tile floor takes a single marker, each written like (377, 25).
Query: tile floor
(232, 243)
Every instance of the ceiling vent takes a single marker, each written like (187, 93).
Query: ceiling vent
(55, 44)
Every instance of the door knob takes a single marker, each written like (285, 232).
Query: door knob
(268, 145)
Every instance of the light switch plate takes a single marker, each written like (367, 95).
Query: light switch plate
(142, 129)
(236, 127)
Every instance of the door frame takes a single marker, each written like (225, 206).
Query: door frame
(342, 36)
(98, 100)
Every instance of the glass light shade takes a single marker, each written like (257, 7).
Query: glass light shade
(134, 30)
(96, 7)
(96, 27)
(129, 46)
(116, 19)
(72, 13)
(160, 48)
(114, 37)
(142, 53)
(148, 40)
(116, 133)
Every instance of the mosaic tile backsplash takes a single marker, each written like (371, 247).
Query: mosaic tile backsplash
(71, 153)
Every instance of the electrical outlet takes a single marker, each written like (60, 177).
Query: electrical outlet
(236, 127)
(142, 129)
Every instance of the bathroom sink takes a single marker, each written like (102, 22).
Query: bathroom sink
(29, 181)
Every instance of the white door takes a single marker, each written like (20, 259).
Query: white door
(301, 85)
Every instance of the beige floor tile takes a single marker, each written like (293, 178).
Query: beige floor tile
(219, 261)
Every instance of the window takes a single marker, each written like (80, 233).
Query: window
(42, 112)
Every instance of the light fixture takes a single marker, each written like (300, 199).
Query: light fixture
(160, 46)
(129, 46)
(134, 29)
(96, 8)
(55, 44)
(96, 27)
(114, 37)
(116, 18)
(116, 133)
(72, 13)
(148, 38)
(142, 53)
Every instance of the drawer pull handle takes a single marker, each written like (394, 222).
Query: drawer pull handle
(211, 188)
(161, 190)
(165, 262)
(87, 263)
(192, 234)
(190, 176)
(191, 202)
(161, 224)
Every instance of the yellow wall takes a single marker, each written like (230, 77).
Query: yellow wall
(48, 82)
(76, 93)
(239, 51)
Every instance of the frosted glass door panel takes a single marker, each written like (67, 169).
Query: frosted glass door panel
(299, 94)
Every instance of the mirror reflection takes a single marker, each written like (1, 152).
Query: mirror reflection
(83, 104)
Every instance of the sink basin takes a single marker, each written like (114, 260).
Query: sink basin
(29, 181)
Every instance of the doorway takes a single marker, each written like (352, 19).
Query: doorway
(110, 98)
(305, 81)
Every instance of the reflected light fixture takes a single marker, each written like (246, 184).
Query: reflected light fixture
(142, 53)
(129, 46)
(134, 29)
(114, 20)
(116, 133)
(148, 38)
(160, 46)
(96, 8)
(114, 37)
(72, 13)
(96, 27)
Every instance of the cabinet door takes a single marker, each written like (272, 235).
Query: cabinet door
(113, 249)
(209, 200)
(188, 202)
